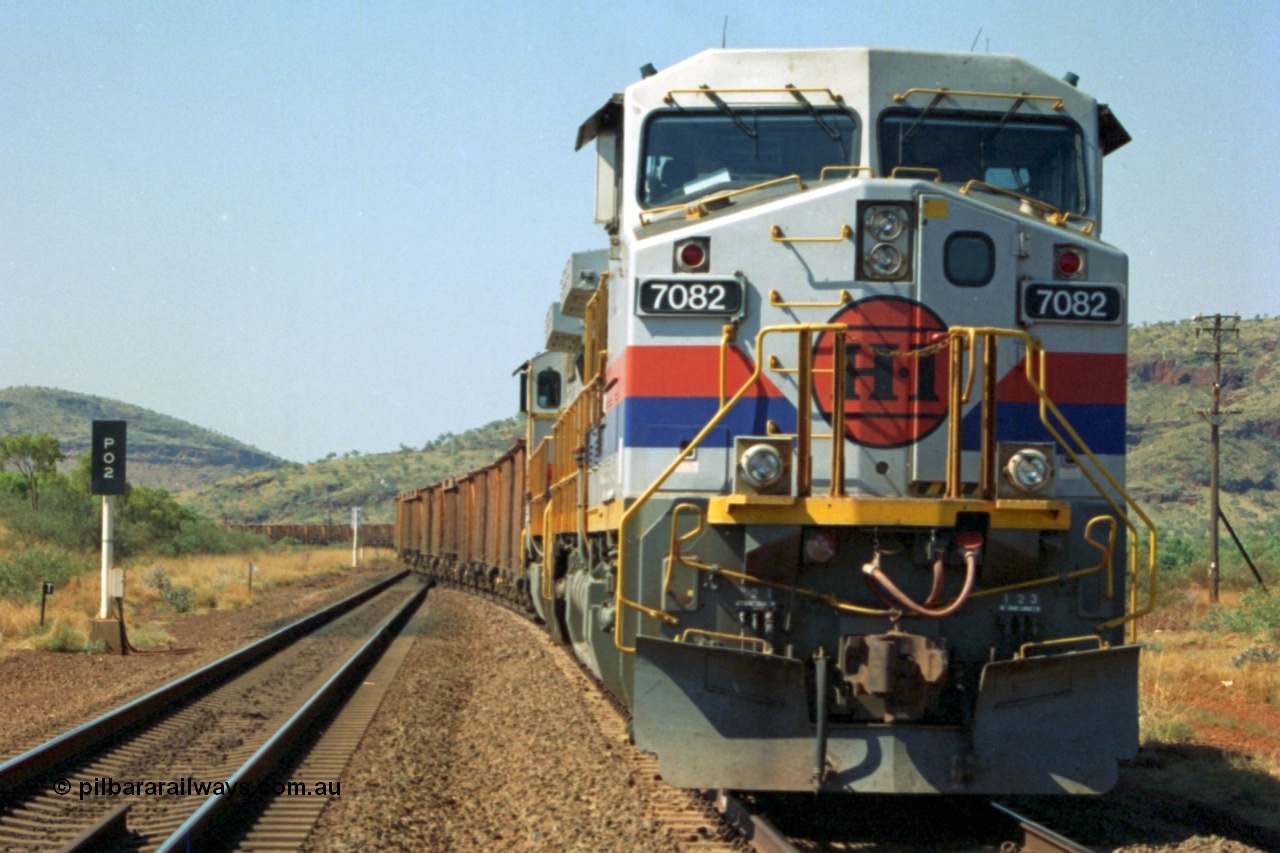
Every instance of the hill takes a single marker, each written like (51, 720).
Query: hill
(1170, 381)
(163, 451)
(325, 491)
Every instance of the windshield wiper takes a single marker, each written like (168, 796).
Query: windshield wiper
(751, 132)
(915, 125)
(1004, 119)
(822, 123)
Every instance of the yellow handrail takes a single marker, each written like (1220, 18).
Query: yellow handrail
(822, 175)
(775, 231)
(765, 647)
(1034, 368)
(958, 340)
(1051, 214)
(775, 299)
(904, 171)
(789, 90)
(697, 208)
(1054, 100)
(620, 600)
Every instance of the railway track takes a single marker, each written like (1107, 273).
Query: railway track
(205, 758)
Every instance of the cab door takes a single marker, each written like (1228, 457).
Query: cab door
(970, 260)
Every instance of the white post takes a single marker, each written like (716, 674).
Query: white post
(108, 536)
(355, 537)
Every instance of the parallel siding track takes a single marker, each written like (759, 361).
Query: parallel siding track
(231, 722)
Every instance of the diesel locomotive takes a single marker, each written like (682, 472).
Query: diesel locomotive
(824, 472)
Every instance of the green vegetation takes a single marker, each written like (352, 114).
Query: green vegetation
(1258, 613)
(323, 492)
(35, 457)
(67, 518)
(21, 574)
(1170, 381)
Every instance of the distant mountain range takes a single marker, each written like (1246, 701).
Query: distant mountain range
(1170, 379)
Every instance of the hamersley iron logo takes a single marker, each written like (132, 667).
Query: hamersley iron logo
(892, 397)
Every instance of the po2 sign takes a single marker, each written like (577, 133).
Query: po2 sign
(107, 469)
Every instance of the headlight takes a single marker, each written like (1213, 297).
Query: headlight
(885, 223)
(762, 466)
(884, 240)
(884, 261)
(1029, 470)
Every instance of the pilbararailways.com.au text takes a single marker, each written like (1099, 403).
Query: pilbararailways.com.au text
(107, 786)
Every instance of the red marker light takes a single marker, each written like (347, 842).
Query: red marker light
(691, 255)
(1070, 262)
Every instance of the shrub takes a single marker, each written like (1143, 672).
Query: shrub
(22, 574)
(179, 598)
(60, 638)
(1257, 613)
(157, 578)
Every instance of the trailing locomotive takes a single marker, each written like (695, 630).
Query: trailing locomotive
(824, 474)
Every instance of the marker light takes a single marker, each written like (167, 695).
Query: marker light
(1069, 263)
(692, 255)
(762, 466)
(1029, 470)
(819, 546)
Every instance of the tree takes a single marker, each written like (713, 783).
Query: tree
(35, 456)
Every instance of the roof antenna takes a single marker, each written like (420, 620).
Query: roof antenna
(975, 40)
(724, 33)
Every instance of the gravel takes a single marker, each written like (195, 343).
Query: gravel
(483, 744)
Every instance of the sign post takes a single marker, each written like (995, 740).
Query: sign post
(355, 537)
(107, 475)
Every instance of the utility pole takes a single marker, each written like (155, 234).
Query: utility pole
(1217, 325)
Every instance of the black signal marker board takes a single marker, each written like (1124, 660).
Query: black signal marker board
(107, 469)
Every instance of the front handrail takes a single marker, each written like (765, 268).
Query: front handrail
(621, 602)
(958, 340)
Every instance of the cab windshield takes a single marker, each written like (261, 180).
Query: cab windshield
(691, 153)
(1031, 155)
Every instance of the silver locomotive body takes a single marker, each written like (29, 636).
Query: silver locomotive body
(826, 453)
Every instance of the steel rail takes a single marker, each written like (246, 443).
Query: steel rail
(44, 757)
(1037, 838)
(198, 831)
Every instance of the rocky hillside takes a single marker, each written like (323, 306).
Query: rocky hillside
(162, 451)
(1170, 385)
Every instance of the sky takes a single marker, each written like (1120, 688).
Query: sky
(325, 227)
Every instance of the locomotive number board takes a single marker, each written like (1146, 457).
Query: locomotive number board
(1072, 303)
(678, 298)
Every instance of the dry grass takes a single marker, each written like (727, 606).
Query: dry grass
(158, 589)
(1210, 721)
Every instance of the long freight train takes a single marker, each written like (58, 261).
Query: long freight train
(824, 475)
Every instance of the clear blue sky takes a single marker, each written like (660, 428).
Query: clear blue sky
(337, 226)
